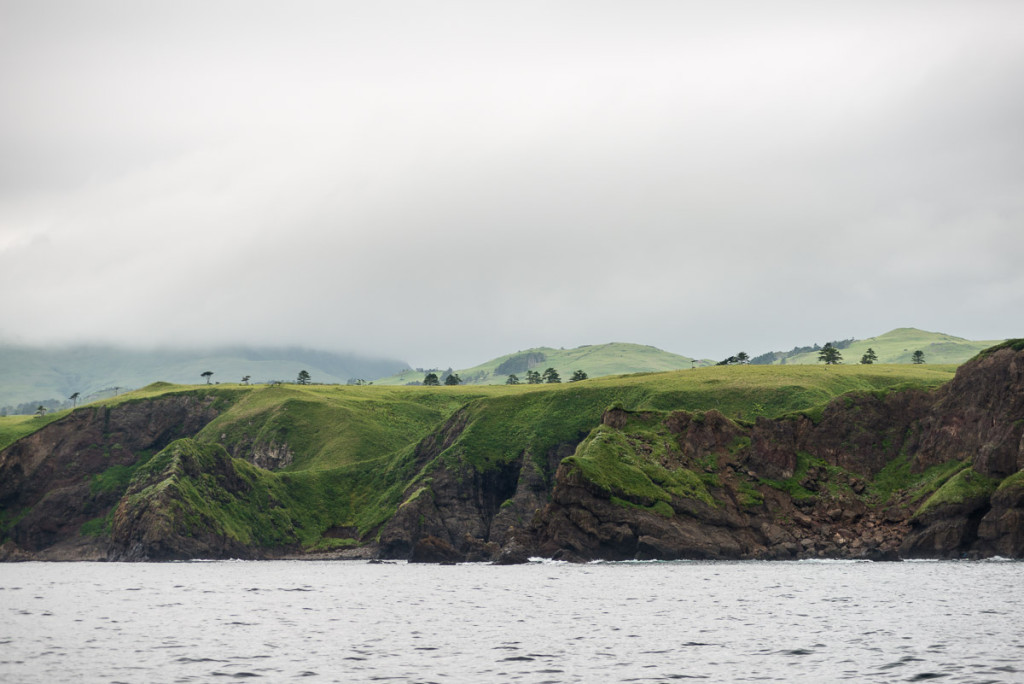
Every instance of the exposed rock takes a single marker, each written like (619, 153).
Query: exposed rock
(272, 456)
(9, 552)
(430, 549)
(516, 552)
(739, 494)
(948, 531)
(473, 512)
(49, 475)
(155, 521)
(1001, 530)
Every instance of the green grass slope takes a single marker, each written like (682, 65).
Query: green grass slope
(535, 419)
(899, 345)
(597, 360)
(355, 447)
(13, 428)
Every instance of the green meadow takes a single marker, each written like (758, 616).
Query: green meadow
(899, 345)
(13, 428)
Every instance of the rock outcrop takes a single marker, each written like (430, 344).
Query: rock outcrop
(878, 475)
(785, 488)
(75, 470)
(761, 511)
(166, 512)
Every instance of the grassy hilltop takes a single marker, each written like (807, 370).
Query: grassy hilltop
(614, 358)
(330, 426)
(355, 454)
(618, 358)
(898, 346)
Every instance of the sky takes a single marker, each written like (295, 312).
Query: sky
(446, 182)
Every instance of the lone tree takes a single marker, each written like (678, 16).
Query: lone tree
(303, 378)
(74, 399)
(41, 411)
(742, 357)
(532, 377)
(578, 375)
(431, 379)
(513, 379)
(206, 374)
(245, 379)
(551, 376)
(453, 379)
(869, 356)
(830, 355)
(918, 356)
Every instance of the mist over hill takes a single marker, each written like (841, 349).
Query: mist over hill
(48, 376)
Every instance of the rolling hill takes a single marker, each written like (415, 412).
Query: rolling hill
(895, 346)
(596, 360)
(51, 375)
(335, 463)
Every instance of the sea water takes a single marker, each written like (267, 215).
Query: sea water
(352, 621)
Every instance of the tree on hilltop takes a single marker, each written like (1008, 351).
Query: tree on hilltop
(532, 377)
(74, 399)
(918, 357)
(513, 379)
(830, 355)
(453, 379)
(578, 375)
(303, 378)
(206, 374)
(869, 356)
(742, 358)
(431, 380)
(245, 379)
(41, 411)
(551, 376)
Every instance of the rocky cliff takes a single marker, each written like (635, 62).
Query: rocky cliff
(879, 474)
(73, 472)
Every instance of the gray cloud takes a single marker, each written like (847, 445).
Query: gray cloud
(450, 182)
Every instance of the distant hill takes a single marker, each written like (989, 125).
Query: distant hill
(614, 358)
(49, 375)
(895, 346)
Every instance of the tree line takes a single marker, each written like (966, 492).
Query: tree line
(550, 376)
(832, 356)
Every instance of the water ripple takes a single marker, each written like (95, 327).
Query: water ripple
(643, 622)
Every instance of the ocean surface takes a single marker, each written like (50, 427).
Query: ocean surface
(353, 621)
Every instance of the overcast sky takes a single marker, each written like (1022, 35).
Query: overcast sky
(449, 181)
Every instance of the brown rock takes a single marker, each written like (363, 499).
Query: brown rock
(434, 550)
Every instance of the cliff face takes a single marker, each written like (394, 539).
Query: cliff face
(792, 488)
(179, 506)
(718, 498)
(458, 512)
(979, 414)
(880, 476)
(978, 417)
(876, 475)
(75, 470)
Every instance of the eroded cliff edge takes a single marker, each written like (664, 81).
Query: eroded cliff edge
(883, 475)
(879, 475)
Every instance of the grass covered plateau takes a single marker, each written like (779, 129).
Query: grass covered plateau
(349, 456)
